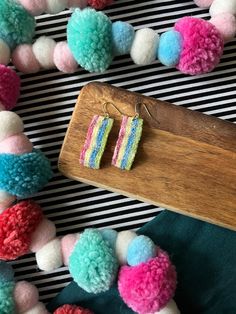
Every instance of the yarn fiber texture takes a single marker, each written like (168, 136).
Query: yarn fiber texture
(7, 304)
(17, 26)
(72, 309)
(170, 47)
(24, 175)
(89, 35)
(9, 85)
(99, 4)
(122, 37)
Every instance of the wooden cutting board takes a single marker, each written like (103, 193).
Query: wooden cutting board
(186, 162)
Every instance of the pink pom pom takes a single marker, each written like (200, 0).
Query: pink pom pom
(64, 59)
(226, 25)
(99, 4)
(45, 232)
(34, 7)
(24, 59)
(77, 4)
(16, 144)
(9, 87)
(202, 46)
(203, 3)
(67, 246)
(148, 287)
(26, 296)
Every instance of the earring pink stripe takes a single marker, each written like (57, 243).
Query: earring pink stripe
(120, 139)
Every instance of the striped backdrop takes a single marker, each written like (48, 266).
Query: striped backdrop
(47, 103)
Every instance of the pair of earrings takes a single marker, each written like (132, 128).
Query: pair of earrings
(126, 146)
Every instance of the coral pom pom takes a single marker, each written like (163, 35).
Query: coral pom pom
(155, 279)
(226, 25)
(72, 309)
(202, 46)
(24, 59)
(99, 4)
(34, 7)
(64, 59)
(16, 226)
(9, 87)
(16, 144)
(26, 296)
(203, 3)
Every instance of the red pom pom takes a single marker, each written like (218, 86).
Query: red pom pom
(17, 223)
(99, 4)
(9, 87)
(72, 309)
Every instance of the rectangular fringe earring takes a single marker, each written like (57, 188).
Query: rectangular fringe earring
(127, 143)
(96, 141)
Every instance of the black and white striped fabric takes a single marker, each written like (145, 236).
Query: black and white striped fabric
(47, 103)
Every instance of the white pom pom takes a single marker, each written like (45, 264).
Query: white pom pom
(10, 124)
(170, 308)
(223, 6)
(144, 47)
(123, 241)
(49, 257)
(6, 200)
(5, 53)
(56, 6)
(37, 309)
(43, 50)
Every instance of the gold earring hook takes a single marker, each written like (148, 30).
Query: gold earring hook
(106, 113)
(137, 111)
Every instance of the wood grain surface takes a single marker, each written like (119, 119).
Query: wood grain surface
(186, 162)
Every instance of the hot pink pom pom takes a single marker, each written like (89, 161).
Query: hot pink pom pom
(67, 246)
(148, 287)
(16, 144)
(24, 60)
(64, 59)
(77, 4)
(202, 46)
(9, 87)
(26, 296)
(203, 3)
(34, 7)
(226, 25)
(99, 4)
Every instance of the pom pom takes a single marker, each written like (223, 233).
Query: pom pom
(24, 59)
(93, 264)
(219, 7)
(37, 309)
(67, 246)
(26, 296)
(170, 308)
(5, 53)
(2, 107)
(140, 250)
(77, 4)
(55, 6)
(72, 309)
(144, 47)
(7, 304)
(45, 232)
(43, 50)
(99, 4)
(6, 200)
(225, 24)
(89, 35)
(9, 87)
(11, 124)
(64, 59)
(6, 273)
(170, 47)
(49, 257)
(17, 26)
(123, 241)
(203, 3)
(17, 223)
(16, 144)
(122, 37)
(202, 46)
(110, 236)
(24, 175)
(148, 287)
(34, 7)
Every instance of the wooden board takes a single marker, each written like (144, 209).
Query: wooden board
(186, 163)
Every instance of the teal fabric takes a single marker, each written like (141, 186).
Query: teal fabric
(205, 259)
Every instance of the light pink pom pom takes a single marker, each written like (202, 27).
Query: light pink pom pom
(26, 296)
(34, 7)
(226, 25)
(16, 144)
(148, 287)
(64, 59)
(77, 4)
(202, 46)
(67, 246)
(9, 87)
(203, 3)
(45, 232)
(24, 60)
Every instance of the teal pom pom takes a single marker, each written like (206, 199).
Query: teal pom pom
(93, 263)
(17, 26)
(6, 273)
(140, 250)
(122, 38)
(89, 35)
(170, 47)
(24, 175)
(110, 236)
(7, 304)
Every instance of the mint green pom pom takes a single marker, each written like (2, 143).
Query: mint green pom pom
(7, 304)
(17, 26)
(89, 35)
(93, 263)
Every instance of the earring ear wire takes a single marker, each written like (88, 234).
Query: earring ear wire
(137, 111)
(106, 113)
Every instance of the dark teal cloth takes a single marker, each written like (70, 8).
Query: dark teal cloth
(205, 260)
